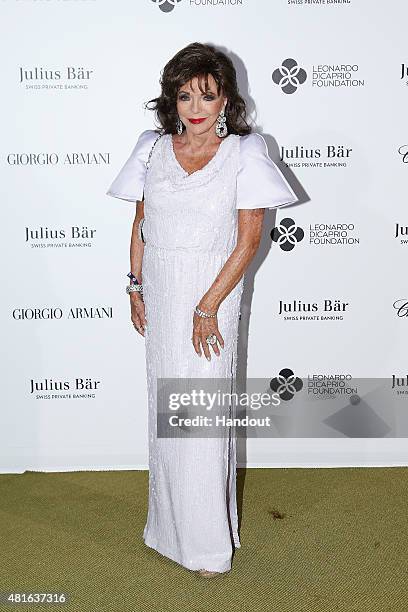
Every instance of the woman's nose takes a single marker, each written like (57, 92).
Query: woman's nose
(195, 106)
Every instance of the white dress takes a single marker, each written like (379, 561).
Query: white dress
(190, 230)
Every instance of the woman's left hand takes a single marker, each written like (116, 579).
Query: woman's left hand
(203, 327)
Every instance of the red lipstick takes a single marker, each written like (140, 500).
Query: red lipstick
(199, 120)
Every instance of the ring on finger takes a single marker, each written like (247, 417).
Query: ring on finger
(211, 339)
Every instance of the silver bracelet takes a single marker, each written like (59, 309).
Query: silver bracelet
(204, 315)
(134, 287)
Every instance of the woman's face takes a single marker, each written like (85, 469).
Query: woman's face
(193, 104)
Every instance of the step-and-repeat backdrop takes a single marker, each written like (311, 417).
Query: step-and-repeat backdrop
(324, 314)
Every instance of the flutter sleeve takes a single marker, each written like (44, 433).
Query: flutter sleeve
(129, 183)
(260, 183)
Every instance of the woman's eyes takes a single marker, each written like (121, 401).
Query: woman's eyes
(185, 97)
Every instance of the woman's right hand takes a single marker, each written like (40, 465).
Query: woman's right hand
(137, 312)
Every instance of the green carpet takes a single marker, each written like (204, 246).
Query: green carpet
(327, 540)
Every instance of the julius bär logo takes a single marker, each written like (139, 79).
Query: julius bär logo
(286, 384)
(166, 5)
(401, 231)
(289, 76)
(287, 234)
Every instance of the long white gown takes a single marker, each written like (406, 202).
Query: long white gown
(190, 230)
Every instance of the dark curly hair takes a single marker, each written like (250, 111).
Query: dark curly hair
(199, 60)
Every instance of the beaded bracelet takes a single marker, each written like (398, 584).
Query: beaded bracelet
(204, 315)
(134, 285)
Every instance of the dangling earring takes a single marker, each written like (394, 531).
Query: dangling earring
(179, 125)
(220, 128)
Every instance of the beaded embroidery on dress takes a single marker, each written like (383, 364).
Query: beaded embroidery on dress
(190, 230)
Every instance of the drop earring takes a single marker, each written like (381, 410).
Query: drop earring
(221, 128)
(179, 125)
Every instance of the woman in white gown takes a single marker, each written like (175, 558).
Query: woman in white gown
(197, 227)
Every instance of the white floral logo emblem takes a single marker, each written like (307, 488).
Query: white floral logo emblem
(289, 76)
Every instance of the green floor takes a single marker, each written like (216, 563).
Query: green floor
(324, 540)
